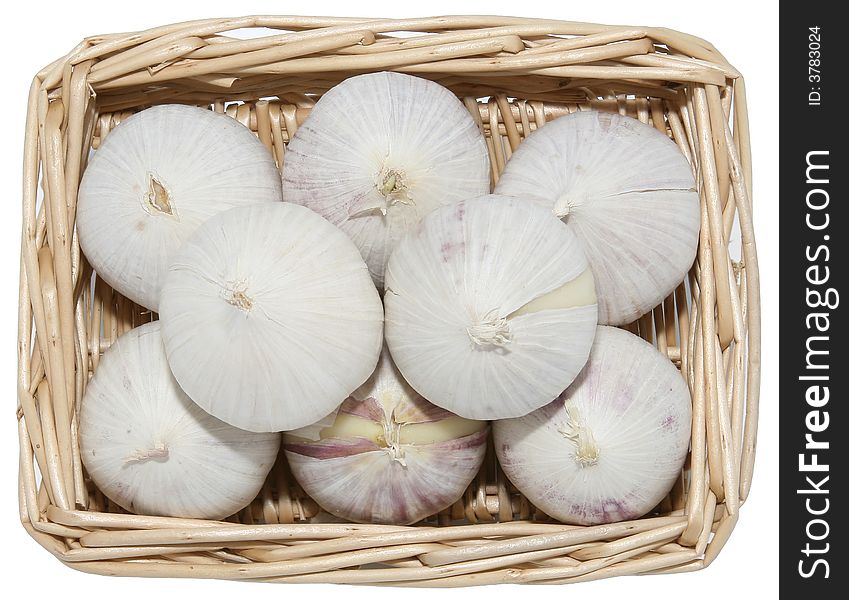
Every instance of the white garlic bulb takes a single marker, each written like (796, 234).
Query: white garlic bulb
(627, 192)
(152, 451)
(612, 445)
(390, 456)
(155, 178)
(379, 152)
(269, 317)
(490, 307)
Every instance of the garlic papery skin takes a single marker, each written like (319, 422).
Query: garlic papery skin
(390, 457)
(153, 451)
(612, 445)
(379, 152)
(490, 307)
(154, 179)
(269, 317)
(627, 192)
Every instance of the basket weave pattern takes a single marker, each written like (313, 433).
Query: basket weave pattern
(528, 72)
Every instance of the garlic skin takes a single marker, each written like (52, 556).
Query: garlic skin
(627, 192)
(390, 457)
(379, 152)
(269, 317)
(612, 445)
(152, 451)
(155, 178)
(490, 307)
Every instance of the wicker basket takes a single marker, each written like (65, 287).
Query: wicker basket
(531, 71)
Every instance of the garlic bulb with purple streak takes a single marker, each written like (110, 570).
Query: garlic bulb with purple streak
(612, 445)
(152, 450)
(390, 457)
(626, 191)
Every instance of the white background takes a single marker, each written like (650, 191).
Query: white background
(39, 32)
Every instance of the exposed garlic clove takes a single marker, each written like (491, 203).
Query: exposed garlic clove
(612, 445)
(379, 152)
(152, 451)
(626, 191)
(490, 307)
(155, 178)
(270, 318)
(390, 456)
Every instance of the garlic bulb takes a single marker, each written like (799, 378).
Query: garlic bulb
(611, 446)
(152, 451)
(269, 317)
(390, 456)
(626, 191)
(490, 307)
(379, 152)
(155, 178)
